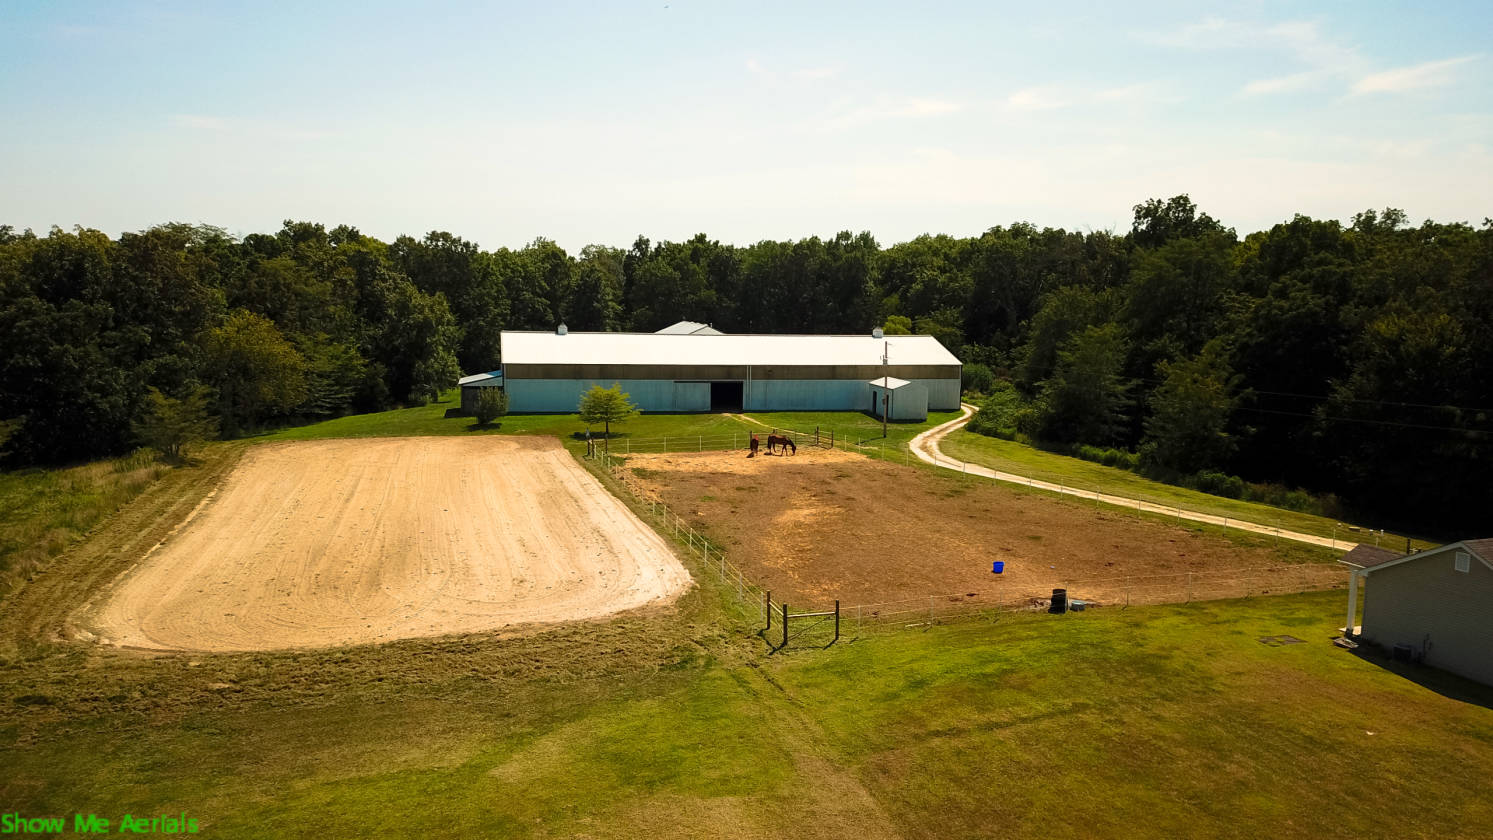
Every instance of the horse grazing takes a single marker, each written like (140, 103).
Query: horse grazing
(779, 440)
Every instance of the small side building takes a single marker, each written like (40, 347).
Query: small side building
(898, 399)
(1437, 602)
(472, 385)
(688, 328)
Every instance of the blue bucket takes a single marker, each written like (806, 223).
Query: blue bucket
(997, 566)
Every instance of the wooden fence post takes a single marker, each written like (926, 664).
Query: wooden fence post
(837, 619)
(769, 609)
(785, 627)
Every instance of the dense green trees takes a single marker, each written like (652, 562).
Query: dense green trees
(1349, 359)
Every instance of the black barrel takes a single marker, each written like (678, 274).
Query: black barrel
(1059, 601)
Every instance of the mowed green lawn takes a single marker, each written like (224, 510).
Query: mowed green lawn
(708, 431)
(1018, 458)
(432, 419)
(1149, 722)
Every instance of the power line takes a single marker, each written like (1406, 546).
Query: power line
(1324, 398)
(1369, 422)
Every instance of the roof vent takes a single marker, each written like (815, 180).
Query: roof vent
(876, 333)
(561, 330)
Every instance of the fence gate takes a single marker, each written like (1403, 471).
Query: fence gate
(792, 625)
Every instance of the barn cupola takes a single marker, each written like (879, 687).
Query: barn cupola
(876, 333)
(561, 330)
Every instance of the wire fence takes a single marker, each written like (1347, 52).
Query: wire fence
(1116, 591)
(716, 443)
(710, 555)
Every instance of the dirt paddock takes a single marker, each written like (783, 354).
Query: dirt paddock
(353, 541)
(827, 524)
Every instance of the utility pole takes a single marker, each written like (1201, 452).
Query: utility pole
(886, 352)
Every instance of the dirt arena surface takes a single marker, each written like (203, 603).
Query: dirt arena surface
(827, 524)
(353, 541)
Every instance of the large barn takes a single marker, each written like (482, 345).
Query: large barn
(548, 371)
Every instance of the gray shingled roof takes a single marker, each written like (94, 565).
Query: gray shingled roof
(1482, 548)
(1366, 556)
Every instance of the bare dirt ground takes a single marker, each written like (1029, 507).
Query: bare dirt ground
(353, 541)
(827, 524)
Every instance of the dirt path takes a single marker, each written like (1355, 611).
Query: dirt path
(925, 447)
(353, 541)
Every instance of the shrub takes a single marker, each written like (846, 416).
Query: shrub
(492, 403)
(1001, 413)
(977, 379)
(1219, 484)
(1108, 456)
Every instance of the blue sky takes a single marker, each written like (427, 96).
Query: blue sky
(593, 123)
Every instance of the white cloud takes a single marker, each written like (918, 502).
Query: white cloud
(823, 71)
(1140, 93)
(247, 128)
(903, 108)
(1037, 99)
(1280, 84)
(818, 72)
(1427, 75)
(1303, 41)
(199, 121)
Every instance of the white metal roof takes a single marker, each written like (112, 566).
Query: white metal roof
(478, 378)
(689, 328)
(891, 383)
(592, 348)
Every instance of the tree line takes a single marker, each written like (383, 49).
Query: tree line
(1349, 359)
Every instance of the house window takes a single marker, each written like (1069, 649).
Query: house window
(1464, 561)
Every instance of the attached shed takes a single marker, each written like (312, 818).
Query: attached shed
(472, 385)
(1438, 603)
(689, 328)
(898, 399)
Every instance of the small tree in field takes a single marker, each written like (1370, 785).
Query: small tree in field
(606, 406)
(169, 426)
(492, 403)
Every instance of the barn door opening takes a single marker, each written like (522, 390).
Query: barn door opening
(725, 396)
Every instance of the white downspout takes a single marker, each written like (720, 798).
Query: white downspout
(1352, 602)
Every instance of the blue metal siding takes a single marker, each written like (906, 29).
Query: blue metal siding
(563, 395)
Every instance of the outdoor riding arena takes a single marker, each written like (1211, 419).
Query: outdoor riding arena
(885, 539)
(355, 541)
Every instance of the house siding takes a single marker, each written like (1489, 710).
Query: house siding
(1428, 605)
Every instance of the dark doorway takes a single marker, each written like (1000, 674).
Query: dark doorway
(725, 396)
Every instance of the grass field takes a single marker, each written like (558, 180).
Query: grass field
(43, 512)
(432, 419)
(1141, 722)
(1018, 458)
(1156, 721)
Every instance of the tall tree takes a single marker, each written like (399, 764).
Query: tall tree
(1187, 429)
(256, 372)
(1087, 398)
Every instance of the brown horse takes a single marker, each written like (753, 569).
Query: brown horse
(779, 440)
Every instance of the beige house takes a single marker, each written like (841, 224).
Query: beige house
(1435, 606)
